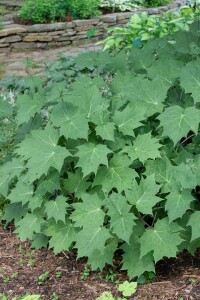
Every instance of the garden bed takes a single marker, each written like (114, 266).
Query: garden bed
(17, 37)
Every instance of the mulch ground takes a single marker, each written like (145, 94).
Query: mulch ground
(21, 266)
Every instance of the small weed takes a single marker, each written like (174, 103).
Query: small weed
(14, 275)
(111, 276)
(6, 279)
(42, 278)
(86, 273)
(55, 297)
(192, 281)
(58, 274)
(146, 277)
(126, 288)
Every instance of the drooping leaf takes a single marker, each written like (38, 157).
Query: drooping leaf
(39, 241)
(177, 203)
(163, 240)
(26, 227)
(195, 225)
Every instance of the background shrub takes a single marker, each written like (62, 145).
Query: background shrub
(85, 9)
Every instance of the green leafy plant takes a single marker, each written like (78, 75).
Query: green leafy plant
(25, 297)
(42, 278)
(143, 27)
(117, 147)
(58, 274)
(85, 9)
(126, 288)
(86, 273)
(146, 277)
(119, 5)
(155, 3)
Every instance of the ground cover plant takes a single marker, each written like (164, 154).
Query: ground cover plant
(108, 162)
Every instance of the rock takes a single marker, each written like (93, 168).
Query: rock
(60, 32)
(12, 30)
(62, 38)
(48, 27)
(37, 38)
(4, 46)
(69, 33)
(23, 45)
(41, 45)
(109, 18)
(124, 15)
(153, 11)
(79, 23)
(10, 39)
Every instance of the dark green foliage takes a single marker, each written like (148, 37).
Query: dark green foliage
(107, 156)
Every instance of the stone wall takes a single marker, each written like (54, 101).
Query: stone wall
(15, 37)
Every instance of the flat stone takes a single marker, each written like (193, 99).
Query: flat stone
(56, 32)
(11, 39)
(4, 46)
(109, 18)
(79, 23)
(41, 45)
(5, 50)
(12, 30)
(69, 33)
(62, 38)
(37, 38)
(48, 27)
(163, 8)
(23, 45)
(124, 15)
(153, 11)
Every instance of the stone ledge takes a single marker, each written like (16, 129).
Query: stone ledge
(15, 37)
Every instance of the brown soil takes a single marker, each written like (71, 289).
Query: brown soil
(20, 267)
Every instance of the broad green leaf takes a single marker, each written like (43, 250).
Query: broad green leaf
(133, 262)
(177, 203)
(6, 108)
(50, 184)
(117, 175)
(22, 193)
(143, 195)
(28, 106)
(42, 152)
(88, 211)
(91, 238)
(99, 259)
(141, 58)
(62, 236)
(128, 119)
(92, 59)
(177, 122)
(184, 175)
(56, 208)
(39, 241)
(76, 183)
(91, 156)
(127, 288)
(195, 167)
(121, 219)
(144, 147)
(29, 225)
(190, 79)
(106, 131)
(164, 173)
(72, 124)
(195, 225)
(151, 93)
(163, 240)
(14, 211)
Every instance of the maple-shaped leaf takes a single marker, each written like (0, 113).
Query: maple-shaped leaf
(91, 156)
(92, 58)
(195, 225)
(91, 238)
(143, 195)
(129, 119)
(117, 175)
(177, 122)
(6, 108)
(132, 260)
(21, 193)
(62, 235)
(88, 211)
(99, 259)
(164, 173)
(168, 70)
(14, 211)
(50, 184)
(39, 241)
(56, 208)
(88, 100)
(4, 181)
(177, 203)
(151, 93)
(75, 183)
(121, 219)
(190, 79)
(72, 124)
(163, 240)
(143, 148)
(141, 58)
(195, 167)
(106, 131)
(42, 152)
(28, 106)
(29, 225)
(184, 175)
